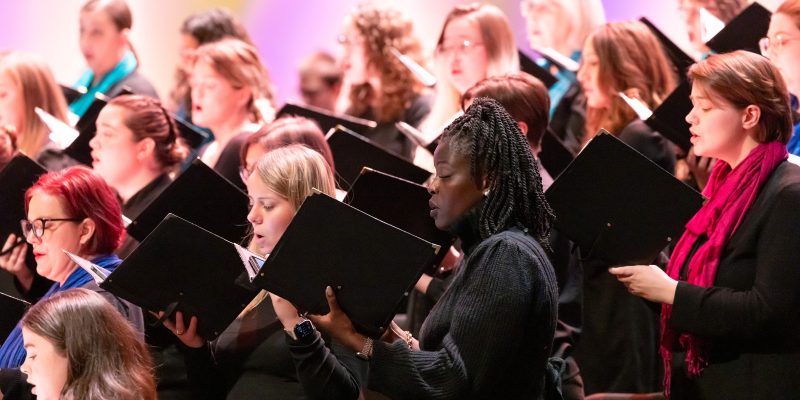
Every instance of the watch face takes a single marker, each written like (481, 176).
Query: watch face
(303, 329)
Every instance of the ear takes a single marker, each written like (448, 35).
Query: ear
(485, 185)
(523, 127)
(145, 148)
(751, 115)
(88, 228)
(125, 34)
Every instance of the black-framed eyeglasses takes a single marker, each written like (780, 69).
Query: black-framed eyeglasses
(38, 226)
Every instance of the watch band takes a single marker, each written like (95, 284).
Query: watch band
(302, 331)
(366, 350)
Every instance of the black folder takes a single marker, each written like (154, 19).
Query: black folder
(669, 119)
(12, 311)
(327, 120)
(555, 156)
(352, 152)
(370, 265)
(618, 206)
(79, 149)
(677, 56)
(743, 32)
(183, 267)
(202, 196)
(19, 175)
(72, 94)
(191, 133)
(400, 203)
(526, 64)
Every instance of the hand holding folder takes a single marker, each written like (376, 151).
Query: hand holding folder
(370, 264)
(183, 267)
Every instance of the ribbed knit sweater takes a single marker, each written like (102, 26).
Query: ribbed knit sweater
(490, 334)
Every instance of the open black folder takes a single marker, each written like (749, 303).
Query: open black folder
(352, 152)
(370, 264)
(183, 267)
(327, 120)
(555, 156)
(202, 196)
(677, 56)
(79, 149)
(743, 32)
(400, 203)
(618, 206)
(12, 311)
(529, 66)
(669, 119)
(19, 175)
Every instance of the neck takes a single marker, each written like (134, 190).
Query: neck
(62, 278)
(141, 178)
(101, 73)
(740, 152)
(230, 127)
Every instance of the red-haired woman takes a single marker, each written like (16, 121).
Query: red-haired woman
(72, 210)
(731, 293)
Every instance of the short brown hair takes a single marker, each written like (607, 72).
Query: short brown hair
(106, 358)
(522, 95)
(790, 8)
(743, 78)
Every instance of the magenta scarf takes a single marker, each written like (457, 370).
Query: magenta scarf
(730, 194)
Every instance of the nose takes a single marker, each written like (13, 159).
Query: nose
(93, 143)
(690, 117)
(433, 185)
(253, 215)
(25, 367)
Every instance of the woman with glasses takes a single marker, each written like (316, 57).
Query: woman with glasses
(72, 210)
(476, 42)
(377, 85)
(782, 47)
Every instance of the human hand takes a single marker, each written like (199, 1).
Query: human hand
(286, 312)
(647, 281)
(189, 335)
(700, 167)
(12, 259)
(337, 324)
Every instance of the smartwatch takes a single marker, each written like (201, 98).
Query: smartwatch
(303, 331)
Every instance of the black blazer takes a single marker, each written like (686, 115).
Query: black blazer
(752, 313)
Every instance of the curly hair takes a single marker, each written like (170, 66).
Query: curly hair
(384, 28)
(498, 151)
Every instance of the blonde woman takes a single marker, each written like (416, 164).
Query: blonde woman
(26, 82)
(233, 96)
(476, 42)
(251, 359)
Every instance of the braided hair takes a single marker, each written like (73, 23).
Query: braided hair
(499, 152)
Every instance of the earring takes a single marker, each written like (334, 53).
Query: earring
(486, 192)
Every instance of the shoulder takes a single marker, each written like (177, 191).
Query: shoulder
(784, 185)
(420, 108)
(510, 248)
(649, 142)
(137, 83)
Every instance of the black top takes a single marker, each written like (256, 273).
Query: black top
(387, 135)
(750, 315)
(251, 360)
(650, 143)
(136, 83)
(136, 204)
(230, 159)
(490, 334)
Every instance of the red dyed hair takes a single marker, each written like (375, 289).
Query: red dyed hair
(85, 195)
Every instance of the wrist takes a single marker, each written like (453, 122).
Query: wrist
(365, 350)
(669, 295)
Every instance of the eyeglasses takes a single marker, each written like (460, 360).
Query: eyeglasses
(38, 226)
(462, 47)
(774, 45)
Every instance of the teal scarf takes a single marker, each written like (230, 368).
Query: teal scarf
(125, 67)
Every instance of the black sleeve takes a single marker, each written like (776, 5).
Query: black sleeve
(650, 143)
(14, 386)
(205, 380)
(324, 375)
(772, 302)
(38, 288)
